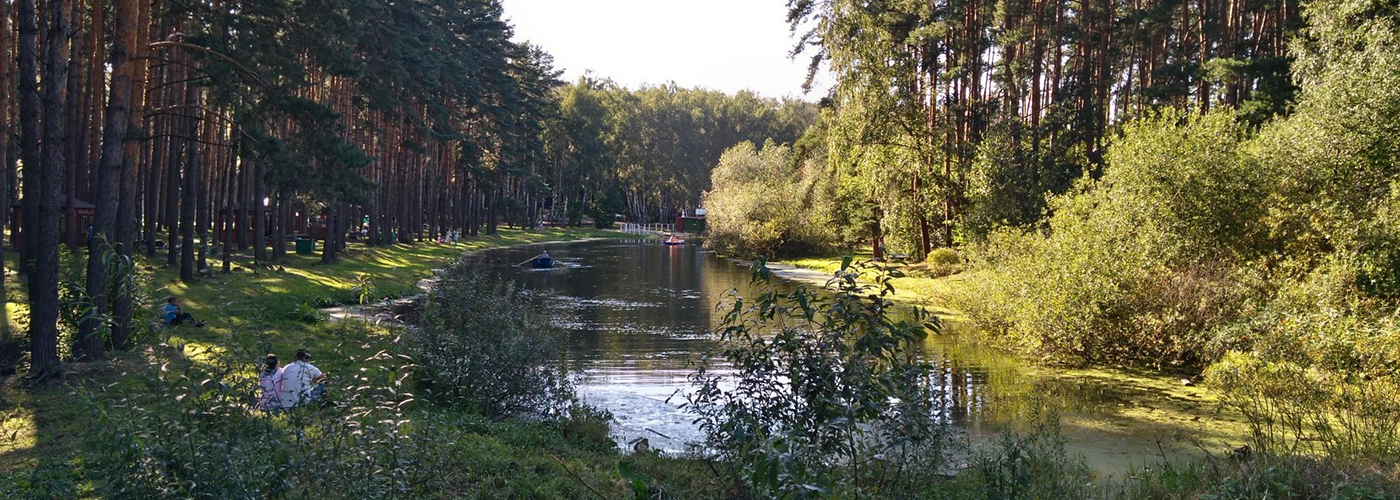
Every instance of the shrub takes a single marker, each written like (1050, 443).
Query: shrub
(1032, 465)
(944, 261)
(762, 204)
(945, 257)
(190, 432)
(818, 390)
(485, 345)
(307, 313)
(589, 425)
(1135, 267)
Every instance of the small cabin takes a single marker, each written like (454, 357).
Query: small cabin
(86, 212)
(686, 224)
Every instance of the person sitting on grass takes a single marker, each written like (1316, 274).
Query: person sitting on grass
(302, 382)
(270, 380)
(173, 315)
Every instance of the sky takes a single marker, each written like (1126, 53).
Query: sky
(726, 45)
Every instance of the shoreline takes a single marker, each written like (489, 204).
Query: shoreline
(1150, 401)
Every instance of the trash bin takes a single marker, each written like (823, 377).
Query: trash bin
(393, 238)
(306, 246)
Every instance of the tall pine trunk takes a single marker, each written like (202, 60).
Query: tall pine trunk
(188, 195)
(127, 223)
(111, 176)
(5, 134)
(43, 283)
(29, 130)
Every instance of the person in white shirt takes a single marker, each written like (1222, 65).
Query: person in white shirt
(302, 382)
(270, 380)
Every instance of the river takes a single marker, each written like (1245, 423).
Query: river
(639, 313)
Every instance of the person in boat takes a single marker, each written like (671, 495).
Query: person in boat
(542, 260)
(673, 239)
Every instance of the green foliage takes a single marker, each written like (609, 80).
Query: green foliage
(1291, 409)
(1130, 269)
(364, 289)
(1269, 260)
(819, 389)
(307, 313)
(648, 153)
(486, 346)
(764, 203)
(588, 424)
(944, 261)
(1033, 465)
(190, 433)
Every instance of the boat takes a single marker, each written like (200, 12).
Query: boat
(673, 240)
(542, 263)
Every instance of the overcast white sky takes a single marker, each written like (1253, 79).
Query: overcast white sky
(726, 45)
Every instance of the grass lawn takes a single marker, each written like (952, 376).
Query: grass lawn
(918, 286)
(252, 311)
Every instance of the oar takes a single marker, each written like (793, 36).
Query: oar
(526, 261)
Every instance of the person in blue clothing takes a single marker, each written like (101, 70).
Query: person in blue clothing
(171, 314)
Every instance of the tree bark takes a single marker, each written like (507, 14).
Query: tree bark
(127, 223)
(259, 214)
(6, 78)
(29, 129)
(43, 283)
(189, 195)
(111, 175)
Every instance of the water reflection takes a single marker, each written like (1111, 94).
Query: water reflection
(639, 313)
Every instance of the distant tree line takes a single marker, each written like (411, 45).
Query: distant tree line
(647, 153)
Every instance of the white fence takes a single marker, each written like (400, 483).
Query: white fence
(634, 228)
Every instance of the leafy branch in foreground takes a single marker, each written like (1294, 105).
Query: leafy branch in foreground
(812, 390)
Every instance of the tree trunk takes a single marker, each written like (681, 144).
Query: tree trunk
(111, 176)
(29, 129)
(127, 225)
(259, 214)
(189, 195)
(329, 246)
(6, 78)
(43, 283)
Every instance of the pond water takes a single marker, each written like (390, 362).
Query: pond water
(639, 313)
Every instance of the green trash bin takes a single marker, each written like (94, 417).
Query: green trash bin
(306, 246)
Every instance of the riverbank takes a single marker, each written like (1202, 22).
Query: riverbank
(49, 445)
(918, 287)
(1181, 423)
(1132, 418)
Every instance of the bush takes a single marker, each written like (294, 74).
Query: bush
(819, 390)
(191, 432)
(307, 313)
(763, 205)
(944, 261)
(945, 257)
(1135, 267)
(589, 425)
(485, 345)
(1033, 465)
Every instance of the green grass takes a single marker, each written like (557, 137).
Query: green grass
(45, 428)
(918, 287)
